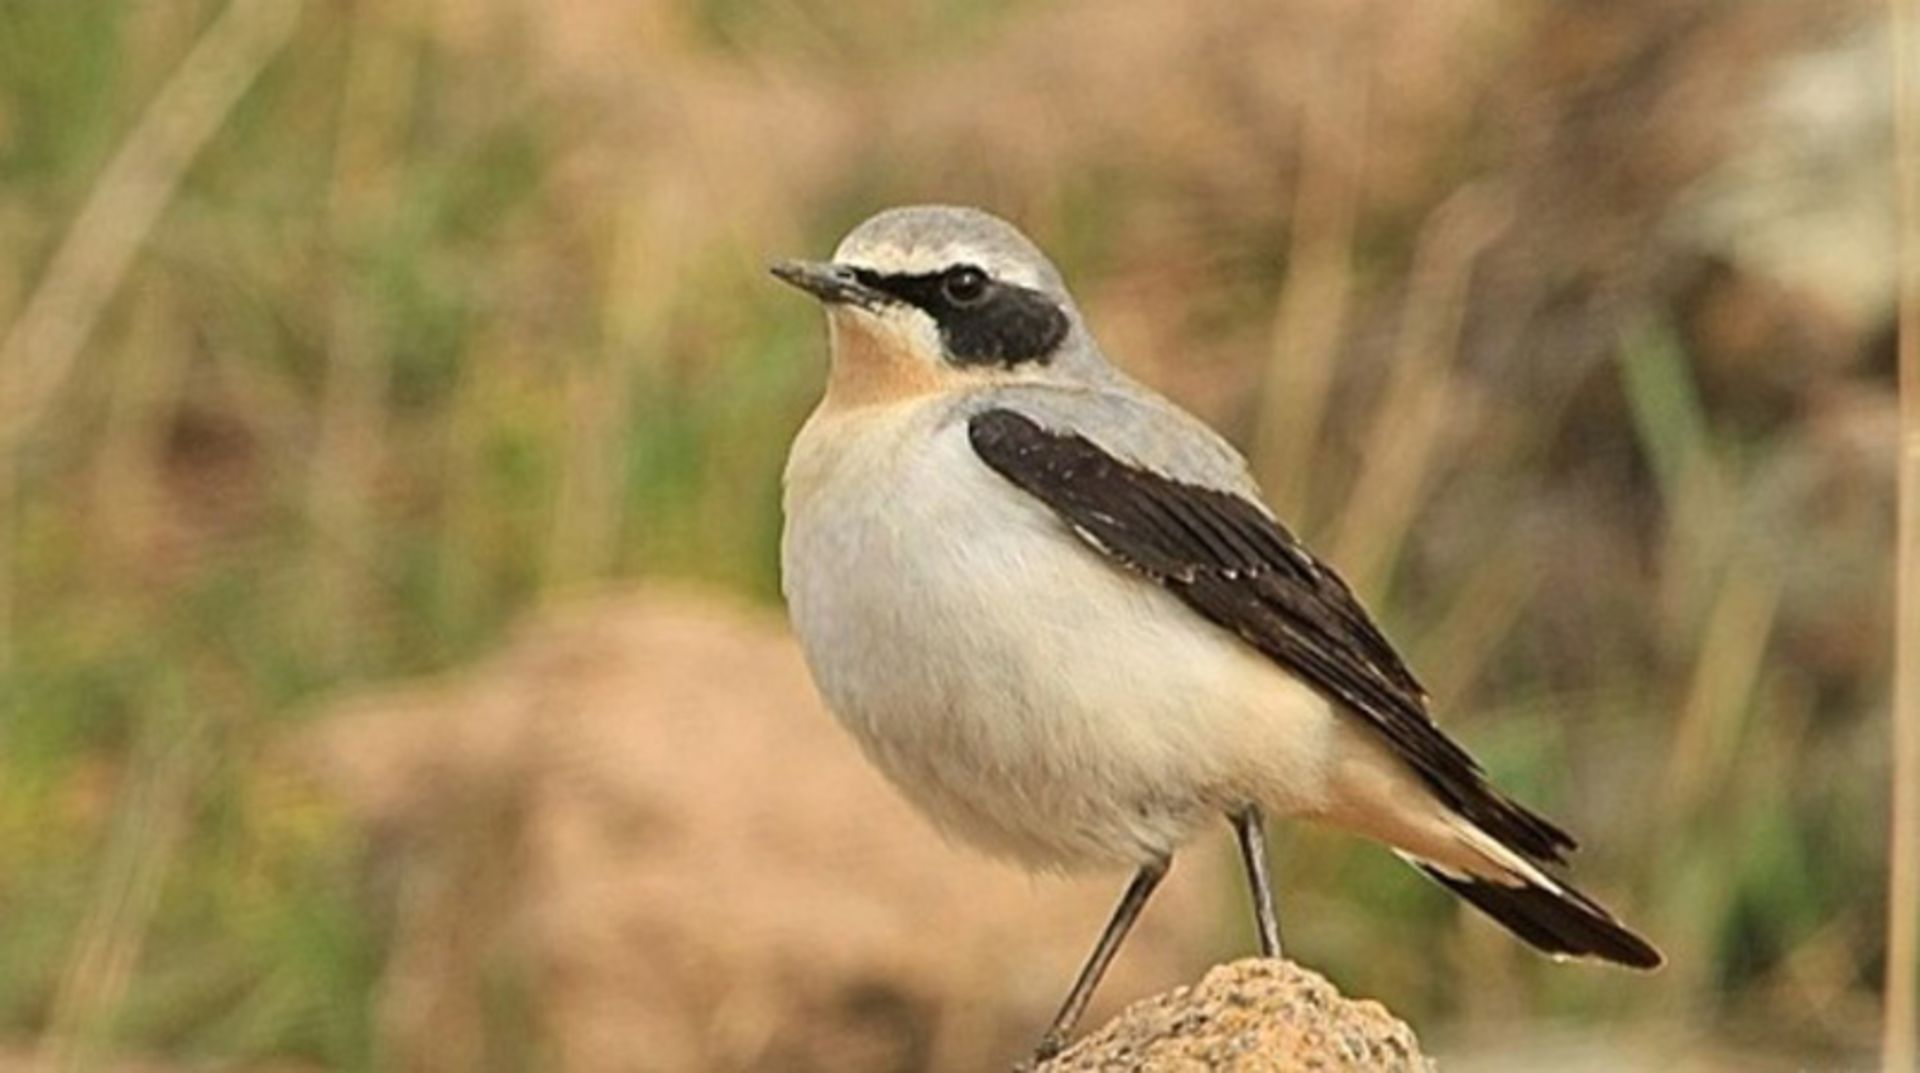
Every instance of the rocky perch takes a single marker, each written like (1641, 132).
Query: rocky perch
(1271, 1016)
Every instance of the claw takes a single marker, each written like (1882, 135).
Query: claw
(1050, 1045)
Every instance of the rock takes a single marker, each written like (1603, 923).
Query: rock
(1271, 1016)
(638, 819)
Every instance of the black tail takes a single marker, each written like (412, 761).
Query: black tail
(1558, 920)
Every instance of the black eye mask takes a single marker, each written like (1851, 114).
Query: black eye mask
(983, 321)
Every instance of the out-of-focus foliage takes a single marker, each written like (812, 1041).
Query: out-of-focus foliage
(461, 306)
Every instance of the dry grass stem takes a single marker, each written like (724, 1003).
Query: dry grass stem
(150, 821)
(1311, 318)
(1726, 672)
(645, 263)
(1480, 615)
(1409, 424)
(9, 525)
(347, 451)
(127, 473)
(1900, 1048)
(39, 350)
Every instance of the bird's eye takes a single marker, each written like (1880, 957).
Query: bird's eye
(964, 286)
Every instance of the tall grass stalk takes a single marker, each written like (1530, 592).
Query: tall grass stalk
(1900, 1045)
(373, 112)
(1721, 697)
(149, 372)
(1409, 427)
(9, 525)
(644, 264)
(152, 821)
(39, 348)
(1312, 316)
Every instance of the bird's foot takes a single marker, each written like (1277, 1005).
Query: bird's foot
(1050, 1045)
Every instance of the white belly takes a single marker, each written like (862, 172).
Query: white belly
(1024, 692)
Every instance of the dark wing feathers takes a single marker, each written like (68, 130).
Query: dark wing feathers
(1234, 564)
(1559, 920)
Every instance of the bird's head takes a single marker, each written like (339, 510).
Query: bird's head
(931, 298)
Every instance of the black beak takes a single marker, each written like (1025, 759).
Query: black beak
(831, 283)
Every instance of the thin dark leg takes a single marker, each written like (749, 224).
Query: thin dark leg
(1124, 914)
(1250, 830)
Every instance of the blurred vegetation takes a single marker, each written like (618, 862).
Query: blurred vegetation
(459, 307)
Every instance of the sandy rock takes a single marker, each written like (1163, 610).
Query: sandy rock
(1270, 1016)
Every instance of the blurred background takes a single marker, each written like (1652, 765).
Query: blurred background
(392, 408)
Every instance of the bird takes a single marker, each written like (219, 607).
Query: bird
(1054, 610)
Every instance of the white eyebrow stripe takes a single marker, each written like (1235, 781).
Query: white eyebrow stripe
(890, 259)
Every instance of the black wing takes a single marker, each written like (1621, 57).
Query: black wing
(1235, 565)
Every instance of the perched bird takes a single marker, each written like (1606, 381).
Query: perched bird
(1053, 610)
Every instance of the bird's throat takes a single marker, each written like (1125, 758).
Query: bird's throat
(876, 362)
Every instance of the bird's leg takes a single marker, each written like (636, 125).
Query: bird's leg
(1124, 914)
(1250, 830)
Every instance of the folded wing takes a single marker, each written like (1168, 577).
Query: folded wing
(1234, 564)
